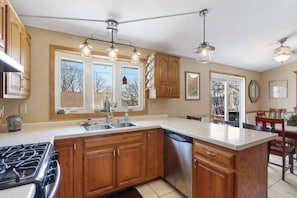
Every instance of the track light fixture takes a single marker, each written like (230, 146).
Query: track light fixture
(204, 50)
(86, 48)
(282, 53)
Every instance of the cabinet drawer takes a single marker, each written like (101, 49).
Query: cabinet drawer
(106, 140)
(213, 154)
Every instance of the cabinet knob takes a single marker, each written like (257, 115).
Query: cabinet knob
(195, 162)
(149, 135)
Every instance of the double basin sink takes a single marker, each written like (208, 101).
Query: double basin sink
(107, 126)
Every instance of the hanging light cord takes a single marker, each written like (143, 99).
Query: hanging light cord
(204, 27)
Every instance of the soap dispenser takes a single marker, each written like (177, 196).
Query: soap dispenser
(126, 117)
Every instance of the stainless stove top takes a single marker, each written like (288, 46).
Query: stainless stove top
(20, 164)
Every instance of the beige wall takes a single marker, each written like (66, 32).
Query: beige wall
(284, 72)
(38, 104)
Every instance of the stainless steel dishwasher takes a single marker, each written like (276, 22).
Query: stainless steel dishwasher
(178, 161)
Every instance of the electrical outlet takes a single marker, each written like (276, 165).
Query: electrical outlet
(23, 108)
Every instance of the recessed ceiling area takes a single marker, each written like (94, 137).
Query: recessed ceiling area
(244, 33)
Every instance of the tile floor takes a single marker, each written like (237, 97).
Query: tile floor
(276, 186)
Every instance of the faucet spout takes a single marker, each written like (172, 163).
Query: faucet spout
(107, 110)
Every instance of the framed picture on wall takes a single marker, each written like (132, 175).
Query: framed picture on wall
(192, 88)
(278, 89)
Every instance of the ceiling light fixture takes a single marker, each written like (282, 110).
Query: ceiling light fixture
(112, 25)
(204, 50)
(282, 53)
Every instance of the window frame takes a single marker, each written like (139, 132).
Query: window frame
(119, 112)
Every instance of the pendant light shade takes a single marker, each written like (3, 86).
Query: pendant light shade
(135, 56)
(86, 49)
(112, 52)
(204, 50)
(282, 53)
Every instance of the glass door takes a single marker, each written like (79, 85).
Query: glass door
(227, 99)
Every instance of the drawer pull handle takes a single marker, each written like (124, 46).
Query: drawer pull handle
(113, 153)
(210, 153)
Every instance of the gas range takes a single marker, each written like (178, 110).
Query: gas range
(30, 163)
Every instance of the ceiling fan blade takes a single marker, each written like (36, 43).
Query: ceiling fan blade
(61, 18)
(159, 17)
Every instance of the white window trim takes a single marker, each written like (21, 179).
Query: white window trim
(88, 83)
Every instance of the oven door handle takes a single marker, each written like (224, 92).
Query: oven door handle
(57, 181)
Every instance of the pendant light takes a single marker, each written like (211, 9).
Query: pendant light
(86, 49)
(112, 25)
(282, 53)
(204, 50)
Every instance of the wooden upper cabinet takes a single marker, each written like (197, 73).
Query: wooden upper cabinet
(2, 24)
(26, 62)
(18, 46)
(167, 81)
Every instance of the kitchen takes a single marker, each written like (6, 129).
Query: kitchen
(39, 101)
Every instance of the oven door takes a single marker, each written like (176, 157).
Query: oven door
(52, 180)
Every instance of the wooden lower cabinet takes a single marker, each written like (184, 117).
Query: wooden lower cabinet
(113, 162)
(224, 173)
(211, 180)
(154, 153)
(70, 152)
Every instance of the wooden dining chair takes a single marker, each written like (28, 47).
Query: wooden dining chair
(280, 146)
(189, 117)
(261, 114)
(228, 122)
(276, 113)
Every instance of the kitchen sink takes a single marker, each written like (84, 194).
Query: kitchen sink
(120, 125)
(94, 127)
(97, 127)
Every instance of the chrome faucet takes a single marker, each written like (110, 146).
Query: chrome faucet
(107, 110)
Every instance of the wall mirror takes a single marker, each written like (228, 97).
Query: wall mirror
(278, 89)
(254, 91)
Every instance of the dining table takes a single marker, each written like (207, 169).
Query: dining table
(290, 131)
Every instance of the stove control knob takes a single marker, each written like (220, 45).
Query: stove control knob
(51, 178)
(55, 155)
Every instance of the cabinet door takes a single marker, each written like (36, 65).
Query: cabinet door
(130, 164)
(99, 171)
(70, 160)
(210, 180)
(161, 80)
(155, 154)
(173, 76)
(26, 62)
(2, 24)
(15, 82)
(14, 35)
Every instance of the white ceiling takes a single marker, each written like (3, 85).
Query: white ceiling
(245, 33)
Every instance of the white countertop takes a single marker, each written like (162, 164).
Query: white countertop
(224, 135)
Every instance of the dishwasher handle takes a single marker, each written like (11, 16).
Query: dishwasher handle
(178, 137)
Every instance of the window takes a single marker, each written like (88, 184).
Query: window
(81, 84)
